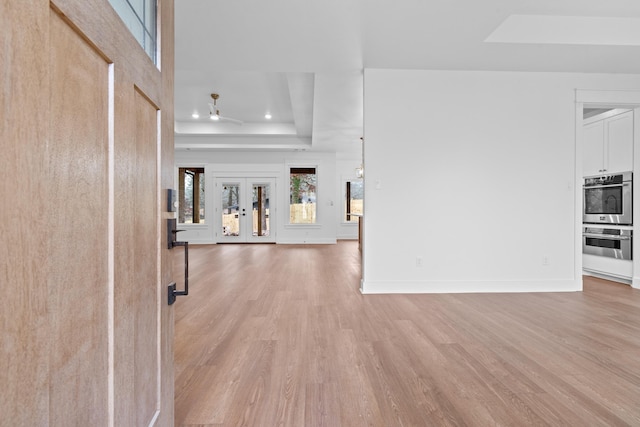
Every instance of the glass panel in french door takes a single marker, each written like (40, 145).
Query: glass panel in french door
(260, 210)
(230, 209)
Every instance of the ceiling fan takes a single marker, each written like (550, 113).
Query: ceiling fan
(215, 115)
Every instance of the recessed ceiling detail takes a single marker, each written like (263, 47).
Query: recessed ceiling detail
(307, 71)
(571, 30)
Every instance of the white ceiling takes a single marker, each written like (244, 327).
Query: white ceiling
(303, 60)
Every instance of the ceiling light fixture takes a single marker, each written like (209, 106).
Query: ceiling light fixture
(214, 113)
(195, 115)
(267, 116)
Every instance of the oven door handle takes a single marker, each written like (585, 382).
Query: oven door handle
(606, 236)
(591, 187)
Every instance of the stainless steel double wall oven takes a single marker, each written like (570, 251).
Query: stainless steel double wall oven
(608, 200)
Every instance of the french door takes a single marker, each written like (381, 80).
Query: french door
(245, 211)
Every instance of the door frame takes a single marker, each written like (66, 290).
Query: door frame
(611, 99)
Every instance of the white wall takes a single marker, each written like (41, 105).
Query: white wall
(474, 172)
(329, 196)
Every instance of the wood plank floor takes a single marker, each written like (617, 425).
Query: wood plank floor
(279, 335)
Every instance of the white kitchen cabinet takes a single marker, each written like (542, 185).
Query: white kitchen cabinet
(608, 143)
(593, 148)
(619, 131)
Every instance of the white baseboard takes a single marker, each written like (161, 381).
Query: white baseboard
(464, 286)
(608, 276)
(321, 241)
(200, 241)
(349, 236)
(279, 242)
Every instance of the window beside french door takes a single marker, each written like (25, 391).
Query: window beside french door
(191, 192)
(246, 210)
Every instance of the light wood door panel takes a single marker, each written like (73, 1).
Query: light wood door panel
(88, 153)
(138, 289)
(78, 247)
(24, 330)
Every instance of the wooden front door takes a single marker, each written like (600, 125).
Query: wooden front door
(87, 153)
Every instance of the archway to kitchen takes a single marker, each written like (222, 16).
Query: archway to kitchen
(586, 101)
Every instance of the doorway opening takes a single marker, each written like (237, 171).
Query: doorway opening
(608, 124)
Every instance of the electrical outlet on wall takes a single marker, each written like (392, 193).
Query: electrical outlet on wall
(419, 261)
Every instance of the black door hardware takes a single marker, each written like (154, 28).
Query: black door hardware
(171, 237)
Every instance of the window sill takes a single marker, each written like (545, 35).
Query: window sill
(192, 225)
(307, 226)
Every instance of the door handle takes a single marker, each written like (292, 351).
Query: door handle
(606, 236)
(171, 237)
(173, 293)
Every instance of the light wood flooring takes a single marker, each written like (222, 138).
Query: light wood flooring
(279, 335)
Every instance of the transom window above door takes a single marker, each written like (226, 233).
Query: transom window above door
(140, 16)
